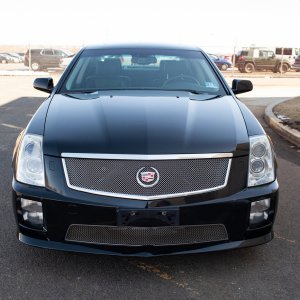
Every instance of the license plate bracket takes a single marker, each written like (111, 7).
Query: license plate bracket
(148, 217)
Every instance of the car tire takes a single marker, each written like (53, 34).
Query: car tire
(283, 69)
(3, 61)
(249, 68)
(224, 67)
(35, 66)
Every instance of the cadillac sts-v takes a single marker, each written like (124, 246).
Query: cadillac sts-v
(143, 150)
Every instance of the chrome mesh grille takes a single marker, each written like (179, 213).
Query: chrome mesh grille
(115, 177)
(146, 236)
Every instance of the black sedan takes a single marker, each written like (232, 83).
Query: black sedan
(152, 158)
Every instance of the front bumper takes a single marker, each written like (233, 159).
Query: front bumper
(61, 211)
(144, 252)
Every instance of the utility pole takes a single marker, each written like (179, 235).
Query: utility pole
(281, 61)
(29, 58)
(233, 61)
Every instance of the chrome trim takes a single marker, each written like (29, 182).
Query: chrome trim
(144, 157)
(127, 196)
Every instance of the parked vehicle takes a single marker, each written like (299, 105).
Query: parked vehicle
(239, 54)
(63, 53)
(9, 58)
(64, 62)
(252, 60)
(296, 65)
(12, 58)
(3, 59)
(287, 53)
(221, 63)
(22, 55)
(18, 56)
(45, 58)
(143, 159)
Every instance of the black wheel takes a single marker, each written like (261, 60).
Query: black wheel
(35, 66)
(284, 68)
(224, 67)
(249, 68)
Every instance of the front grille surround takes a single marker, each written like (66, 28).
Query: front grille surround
(115, 175)
(146, 236)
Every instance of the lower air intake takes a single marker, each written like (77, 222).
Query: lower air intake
(146, 236)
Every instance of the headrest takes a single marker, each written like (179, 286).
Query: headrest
(174, 67)
(111, 66)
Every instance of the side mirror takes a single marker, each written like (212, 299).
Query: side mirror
(44, 84)
(241, 86)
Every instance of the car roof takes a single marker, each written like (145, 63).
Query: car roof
(143, 46)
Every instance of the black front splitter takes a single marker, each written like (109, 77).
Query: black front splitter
(140, 253)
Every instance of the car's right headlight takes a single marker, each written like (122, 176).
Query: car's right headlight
(30, 162)
(261, 161)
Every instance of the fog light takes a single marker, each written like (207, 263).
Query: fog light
(259, 211)
(32, 212)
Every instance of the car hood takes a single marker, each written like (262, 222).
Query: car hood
(145, 124)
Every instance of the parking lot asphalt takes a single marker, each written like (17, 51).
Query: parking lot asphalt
(270, 271)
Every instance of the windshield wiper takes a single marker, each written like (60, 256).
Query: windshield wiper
(81, 92)
(203, 97)
(196, 92)
(83, 95)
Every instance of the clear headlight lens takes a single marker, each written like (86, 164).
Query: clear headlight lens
(30, 162)
(261, 161)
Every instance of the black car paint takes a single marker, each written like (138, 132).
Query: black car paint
(63, 206)
(144, 123)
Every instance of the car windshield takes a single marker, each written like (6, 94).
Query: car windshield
(142, 69)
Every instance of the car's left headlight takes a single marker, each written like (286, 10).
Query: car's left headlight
(261, 161)
(30, 162)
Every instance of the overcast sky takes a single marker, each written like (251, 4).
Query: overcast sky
(212, 23)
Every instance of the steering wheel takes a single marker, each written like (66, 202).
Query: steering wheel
(181, 77)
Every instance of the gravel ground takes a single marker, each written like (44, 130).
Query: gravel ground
(291, 110)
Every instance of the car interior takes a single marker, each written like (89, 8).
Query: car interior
(98, 73)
